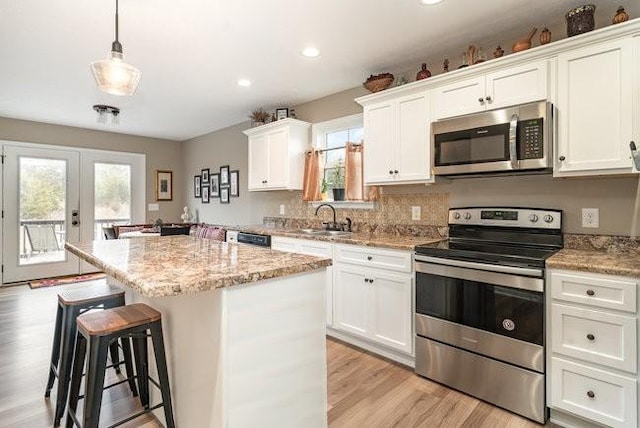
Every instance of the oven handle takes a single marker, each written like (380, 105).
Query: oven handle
(482, 266)
(513, 128)
(495, 278)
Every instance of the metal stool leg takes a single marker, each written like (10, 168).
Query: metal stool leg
(94, 382)
(76, 378)
(69, 330)
(55, 352)
(128, 365)
(140, 352)
(163, 375)
(115, 356)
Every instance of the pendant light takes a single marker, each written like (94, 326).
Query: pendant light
(113, 75)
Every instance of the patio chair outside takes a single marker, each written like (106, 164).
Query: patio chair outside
(42, 238)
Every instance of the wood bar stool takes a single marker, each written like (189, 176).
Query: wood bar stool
(98, 330)
(70, 305)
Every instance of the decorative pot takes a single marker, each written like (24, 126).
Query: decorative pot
(621, 16)
(423, 73)
(545, 36)
(580, 20)
(498, 52)
(338, 194)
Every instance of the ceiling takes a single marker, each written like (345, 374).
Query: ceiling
(192, 52)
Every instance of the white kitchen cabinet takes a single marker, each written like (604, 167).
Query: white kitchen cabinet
(592, 357)
(595, 108)
(397, 146)
(276, 155)
(506, 87)
(311, 248)
(371, 302)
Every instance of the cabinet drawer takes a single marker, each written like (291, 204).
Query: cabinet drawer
(283, 244)
(316, 248)
(595, 336)
(609, 293)
(374, 257)
(594, 394)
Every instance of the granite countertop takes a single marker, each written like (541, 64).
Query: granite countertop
(611, 263)
(174, 265)
(370, 239)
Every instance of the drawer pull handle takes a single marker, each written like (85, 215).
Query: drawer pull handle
(369, 258)
(591, 337)
(591, 394)
(591, 293)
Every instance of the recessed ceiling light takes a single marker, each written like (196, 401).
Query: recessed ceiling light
(430, 2)
(244, 82)
(310, 52)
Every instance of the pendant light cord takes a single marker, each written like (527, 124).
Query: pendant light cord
(116, 46)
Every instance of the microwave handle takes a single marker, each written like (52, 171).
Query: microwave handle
(513, 129)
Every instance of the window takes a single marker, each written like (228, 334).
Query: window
(331, 137)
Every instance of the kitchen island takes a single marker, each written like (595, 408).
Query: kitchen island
(244, 326)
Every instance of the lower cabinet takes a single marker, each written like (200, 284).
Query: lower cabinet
(592, 352)
(374, 304)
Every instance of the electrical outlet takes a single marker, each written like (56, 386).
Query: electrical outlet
(281, 209)
(154, 207)
(591, 217)
(415, 213)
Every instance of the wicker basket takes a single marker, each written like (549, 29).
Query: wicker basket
(378, 83)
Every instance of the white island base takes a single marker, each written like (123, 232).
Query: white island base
(247, 355)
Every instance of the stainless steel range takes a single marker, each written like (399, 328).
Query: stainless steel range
(480, 305)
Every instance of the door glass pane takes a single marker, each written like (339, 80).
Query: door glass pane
(112, 196)
(42, 210)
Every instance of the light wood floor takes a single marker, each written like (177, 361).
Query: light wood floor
(364, 390)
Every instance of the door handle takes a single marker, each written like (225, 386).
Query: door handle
(75, 218)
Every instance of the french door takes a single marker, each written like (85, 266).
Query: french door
(52, 195)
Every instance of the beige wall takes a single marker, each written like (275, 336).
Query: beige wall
(617, 198)
(160, 154)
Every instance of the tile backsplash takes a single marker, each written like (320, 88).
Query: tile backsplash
(390, 210)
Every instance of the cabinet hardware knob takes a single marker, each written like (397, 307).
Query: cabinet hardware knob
(366, 280)
(591, 337)
(562, 158)
(371, 281)
(369, 258)
(591, 293)
(488, 98)
(395, 171)
(591, 394)
(390, 171)
(481, 100)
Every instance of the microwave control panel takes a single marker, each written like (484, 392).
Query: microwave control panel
(530, 139)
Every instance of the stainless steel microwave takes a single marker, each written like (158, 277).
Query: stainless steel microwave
(506, 140)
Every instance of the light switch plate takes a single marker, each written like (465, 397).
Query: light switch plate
(281, 209)
(591, 217)
(415, 213)
(154, 207)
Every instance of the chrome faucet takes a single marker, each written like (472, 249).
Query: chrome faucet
(333, 225)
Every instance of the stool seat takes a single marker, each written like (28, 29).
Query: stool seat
(117, 319)
(89, 294)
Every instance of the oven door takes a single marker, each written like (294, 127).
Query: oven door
(496, 314)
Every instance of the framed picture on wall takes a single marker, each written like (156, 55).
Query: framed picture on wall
(282, 113)
(234, 183)
(164, 185)
(205, 176)
(215, 185)
(224, 175)
(205, 194)
(224, 195)
(197, 186)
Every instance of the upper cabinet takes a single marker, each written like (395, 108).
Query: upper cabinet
(396, 135)
(595, 108)
(505, 87)
(276, 155)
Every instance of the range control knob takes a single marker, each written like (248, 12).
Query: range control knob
(533, 218)
(456, 215)
(467, 216)
(548, 218)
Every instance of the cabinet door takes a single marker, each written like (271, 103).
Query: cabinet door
(278, 159)
(257, 162)
(352, 297)
(380, 139)
(456, 99)
(595, 87)
(413, 154)
(391, 310)
(517, 85)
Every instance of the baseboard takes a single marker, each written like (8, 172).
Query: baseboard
(404, 359)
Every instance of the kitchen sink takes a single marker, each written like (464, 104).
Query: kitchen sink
(319, 232)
